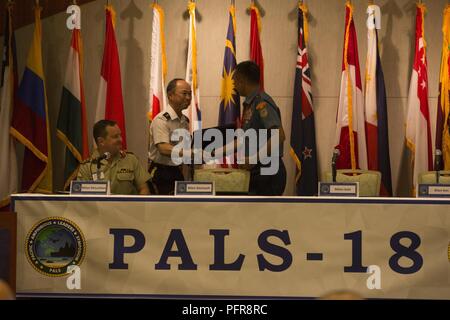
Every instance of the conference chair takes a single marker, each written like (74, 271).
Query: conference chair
(227, 181)
(429, 177)
(369, 181)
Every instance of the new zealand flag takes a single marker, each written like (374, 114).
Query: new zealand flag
(303, 137)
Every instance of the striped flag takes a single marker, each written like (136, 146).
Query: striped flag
(72, 123)
(194, 112)
(30, 124)
(443, 110)
(418, 130)
(110, 100)
(350, 129)
(376, 108)
(303, 135)
(158, 64)
(230, 106)
(8, 91)
(256, 53)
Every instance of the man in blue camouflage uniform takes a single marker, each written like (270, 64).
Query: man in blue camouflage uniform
(260, 112)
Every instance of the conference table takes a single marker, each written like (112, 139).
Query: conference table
(231, 247)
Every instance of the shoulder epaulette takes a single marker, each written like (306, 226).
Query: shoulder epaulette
(269, 100)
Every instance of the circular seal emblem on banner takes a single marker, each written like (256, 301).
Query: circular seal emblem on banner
(423, 190)
(77, 187)
(325, 189)
(53, 244)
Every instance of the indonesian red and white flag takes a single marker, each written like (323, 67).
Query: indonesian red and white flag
(350, 136)
(110, 99)
(158, 64)
(194, 112)
(418, 130)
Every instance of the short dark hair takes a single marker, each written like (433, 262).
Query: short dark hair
(249, 70)
(172, 85)
(100, 128)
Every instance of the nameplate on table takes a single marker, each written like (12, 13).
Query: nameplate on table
(433, 191)
(90, 187)
(189, 188)
(339, 189)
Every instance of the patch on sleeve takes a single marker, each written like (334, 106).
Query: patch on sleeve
(262, 108)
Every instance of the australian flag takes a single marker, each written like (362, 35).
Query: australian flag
(230, 109)
(303, 137)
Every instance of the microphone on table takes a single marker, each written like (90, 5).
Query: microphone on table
(336, 154)
(437, 163)
(104, 156)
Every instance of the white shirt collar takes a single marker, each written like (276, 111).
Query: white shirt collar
(173, 115)
(171, 112)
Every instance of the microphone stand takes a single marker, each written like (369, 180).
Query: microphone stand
(438, 172)
(333, 170)
(336, 154)
(98, 169)
(192, 166)
(437, 164)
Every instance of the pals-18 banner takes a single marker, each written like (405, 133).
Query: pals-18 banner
(232, 247)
